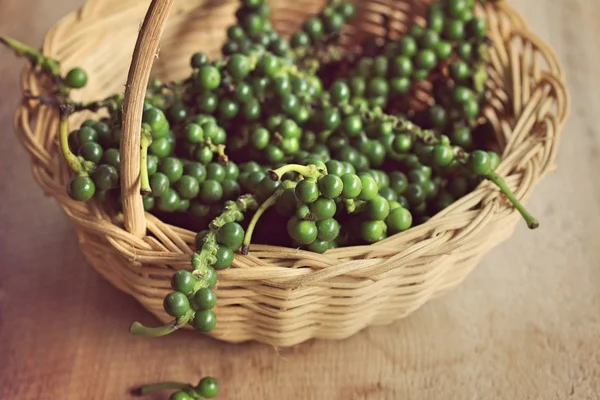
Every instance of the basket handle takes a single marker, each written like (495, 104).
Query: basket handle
(145, 51)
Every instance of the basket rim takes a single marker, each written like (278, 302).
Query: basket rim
(519, 27)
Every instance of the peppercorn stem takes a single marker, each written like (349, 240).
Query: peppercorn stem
(140, 330)
(261, 210)
(206, 256)
(233, 212)
(307, 171)
(145, 142)
(111, 103)
(155, 387)
(71, 159)
(532, 223)
(36, 57)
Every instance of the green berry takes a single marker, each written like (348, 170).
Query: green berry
(352, 125)
(210, 277)
(208, 387)
(323, 208)
(184, 281)
(188, 187)
(228, 109)
(307, 191)
(300, 39)
(437, 116)
(231, 189)
(480, 162)
(460, 71)
(204, 321)
(319, 246)
(399, 220)
(425, 59)
(435, 20)
(231, 235)
(238, 66)
(255, 24)
(465, 50)
(302, 231)
(352, 186)
(208, 77)
(194, 133)
(462, 95)
(402, 66)
(461, 136)
(208, 102)
(211, 191)
(251, 110)
(157, 121)
(176, 304)
(86, 135)
(314, 28)
(443, 50)
(454, 30)
(195, 170)
(372, 231)
(82, 188)
(169, 201)
(333, 22)
(377, 87)
(91, 152)
(369, 187)
(389, 194)
(340, 92)
(274, 154)
(331, 118)
(429, 39)
(267, 65)
(328, 229)
(442, 155)
(414, 193)
(303, 212)
(408, 46)
(331, 186)
(159, 184)
(172, 167)
(377, 209)
(105, 177)
(398, 181)
(225, 258)
(416, 31)
(198, 60)
(76, 78)
(456, 8)
(180, 395)
(243, 92)
(205, 299)
(400, 85)
(348, 10)
(470, 109)
(494, 159)
(216, 172)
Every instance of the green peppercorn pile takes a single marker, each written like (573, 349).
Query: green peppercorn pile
(298, 142)
(266, 103)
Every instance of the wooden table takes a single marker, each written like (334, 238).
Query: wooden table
(525, 325)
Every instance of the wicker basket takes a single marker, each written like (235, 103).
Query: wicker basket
(282, 296)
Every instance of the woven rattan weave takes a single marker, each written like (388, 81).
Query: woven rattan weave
(283, 296)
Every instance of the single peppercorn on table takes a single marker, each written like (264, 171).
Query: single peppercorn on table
(68, 337)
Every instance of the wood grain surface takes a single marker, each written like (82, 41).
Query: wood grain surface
(525, 325)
